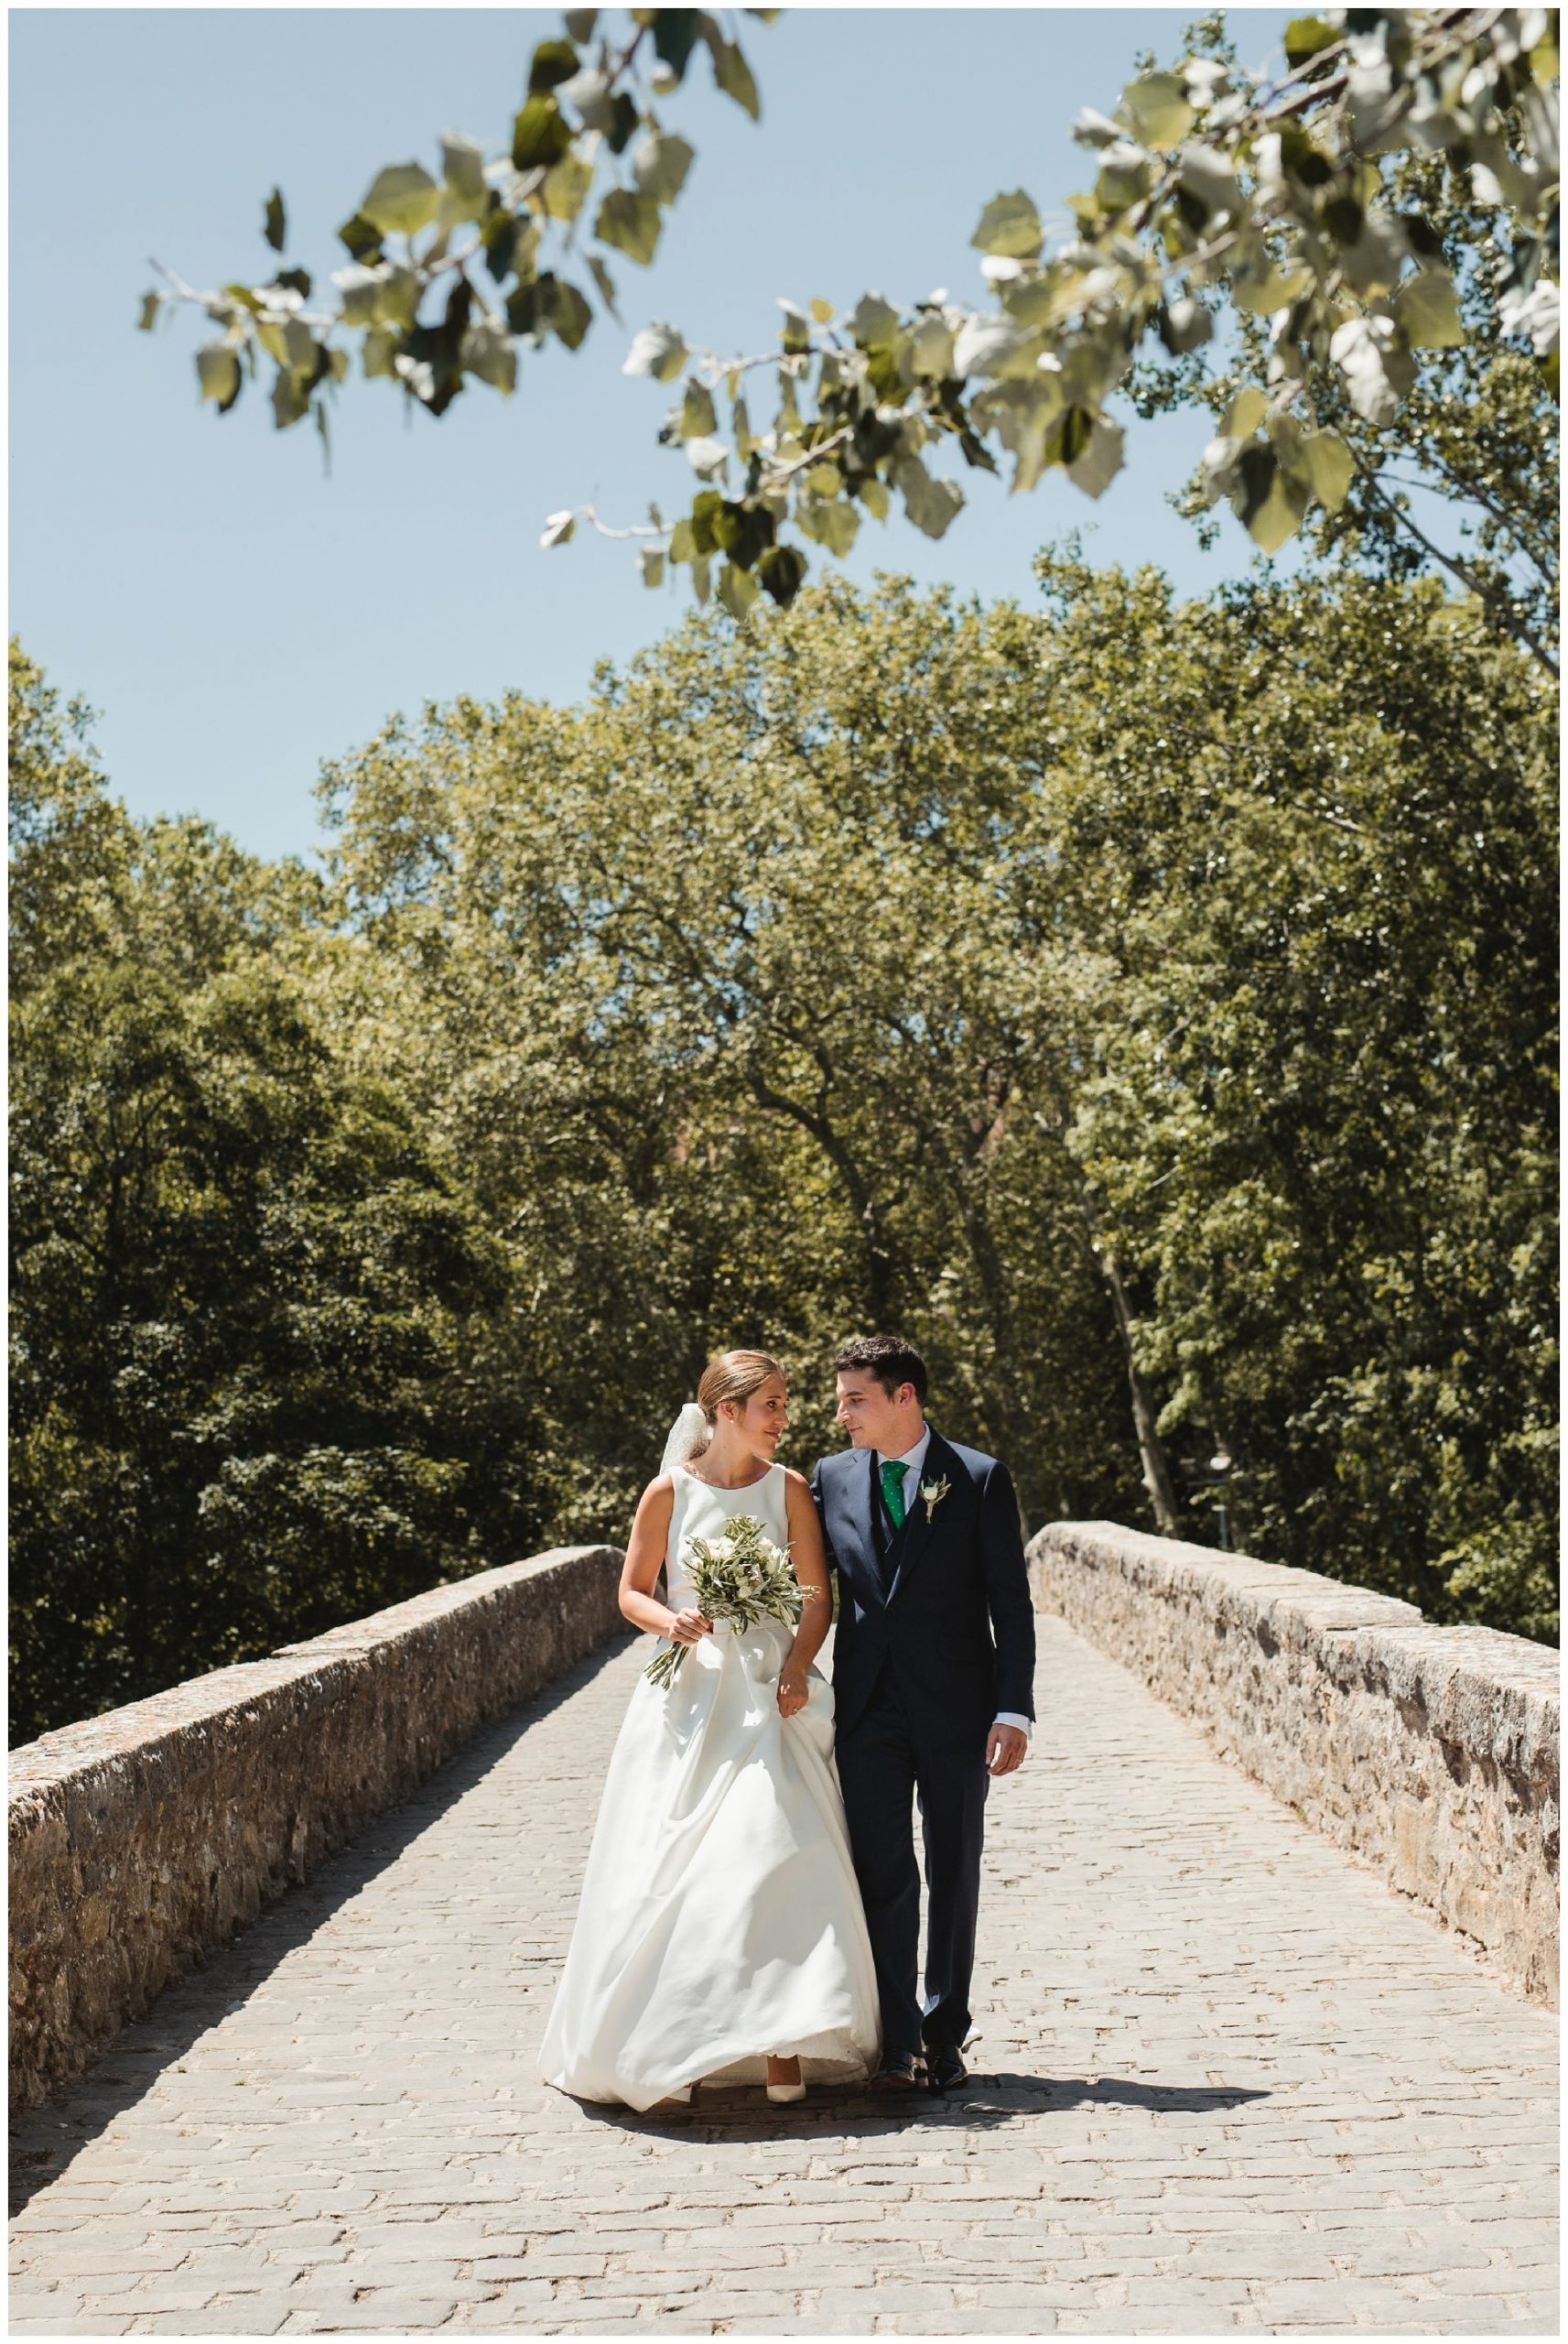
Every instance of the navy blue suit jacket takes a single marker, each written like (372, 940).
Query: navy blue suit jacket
(957, 1629)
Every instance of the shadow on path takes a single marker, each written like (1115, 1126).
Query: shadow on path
(45, 2140)
(982, 2103)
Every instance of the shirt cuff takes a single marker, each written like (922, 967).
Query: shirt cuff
(1012, 1716)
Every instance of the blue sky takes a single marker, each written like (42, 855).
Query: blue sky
(234, 616)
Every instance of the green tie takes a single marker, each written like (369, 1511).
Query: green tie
(893, 1490)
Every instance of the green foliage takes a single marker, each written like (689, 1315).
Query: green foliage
(1323, 1122)
(1467, 484)
(1149, 1007)
(427, 319)
(706, 1111)
(1292, 210)
(240, 1276)
(1002, 974)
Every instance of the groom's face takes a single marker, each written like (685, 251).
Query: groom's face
(872, 1417)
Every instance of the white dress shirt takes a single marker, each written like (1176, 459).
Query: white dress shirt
(912, 1461)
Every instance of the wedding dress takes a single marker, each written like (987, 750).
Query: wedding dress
(720, 1919)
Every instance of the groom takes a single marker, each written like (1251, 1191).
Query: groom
(932, 1677)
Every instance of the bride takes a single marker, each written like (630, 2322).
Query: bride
(719, 1926)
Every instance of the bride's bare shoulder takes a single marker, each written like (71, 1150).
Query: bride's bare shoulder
(660, 1492)
(798, 1500)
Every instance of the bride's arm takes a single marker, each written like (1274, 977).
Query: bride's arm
(810, 1560)
(644, 1560)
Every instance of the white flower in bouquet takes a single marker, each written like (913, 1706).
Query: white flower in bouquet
(740, 1578)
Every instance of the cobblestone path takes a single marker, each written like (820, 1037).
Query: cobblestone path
(1224, 2079)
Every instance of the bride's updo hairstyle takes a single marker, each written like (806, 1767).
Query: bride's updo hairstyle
(733, 1375)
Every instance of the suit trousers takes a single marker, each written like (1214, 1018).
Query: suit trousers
(883, 1768)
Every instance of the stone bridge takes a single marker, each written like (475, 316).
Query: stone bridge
(1264, 2036)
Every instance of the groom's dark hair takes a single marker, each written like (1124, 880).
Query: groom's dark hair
(889, 1358)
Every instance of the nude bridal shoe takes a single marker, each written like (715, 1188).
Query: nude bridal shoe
(784, 2092)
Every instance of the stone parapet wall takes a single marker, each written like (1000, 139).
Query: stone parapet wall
(142, 1838)
(1432, 1752)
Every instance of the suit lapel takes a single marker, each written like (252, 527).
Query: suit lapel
(863, 1516)
(940, 1464)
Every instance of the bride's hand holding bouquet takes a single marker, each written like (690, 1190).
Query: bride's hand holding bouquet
(739, 1578)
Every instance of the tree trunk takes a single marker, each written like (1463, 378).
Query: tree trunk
(1156, 1471)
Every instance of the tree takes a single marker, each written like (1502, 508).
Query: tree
(1465, 486)
(66, 836)
(1215, 196)
(1323, 858)
(241, 1280)
(788, 1124)
(1149, 1006)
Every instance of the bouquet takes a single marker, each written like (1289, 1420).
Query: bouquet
(740, 1578)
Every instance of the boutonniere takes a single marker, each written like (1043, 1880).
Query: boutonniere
(934, 1492)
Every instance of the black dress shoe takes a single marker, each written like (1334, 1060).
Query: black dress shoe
(898, 2075)
(944, 2068)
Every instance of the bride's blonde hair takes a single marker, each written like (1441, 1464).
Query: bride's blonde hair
(733, 1375)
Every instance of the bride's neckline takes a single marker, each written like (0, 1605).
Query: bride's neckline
(725, 1488)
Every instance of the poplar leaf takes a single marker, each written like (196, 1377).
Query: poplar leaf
(540, 135)
(488, 350)
(699, 417)
(1269, 502)
(630, 222)
(1427, 307)
(462, 168)
(659, 165)
(781, 571)
(1304, 35)
(1010, 225)
(1330, 467)
(1185, 325)
(1245, 412)
(733, 76)
(931, 505)
(1094, 471)
(218, 371)
(984, 344)
(1157, 104)
(1377, 367)
(656, 350)
(738, 589)
(829, 519)
(566, 185)
(402, 199)
(709, 458)
(873, 321)
(379, 352)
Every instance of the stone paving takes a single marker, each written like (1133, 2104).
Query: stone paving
(1223, 2079)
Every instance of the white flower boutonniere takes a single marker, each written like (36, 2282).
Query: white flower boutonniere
(934, 1492)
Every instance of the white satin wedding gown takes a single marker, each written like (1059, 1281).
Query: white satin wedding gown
(719, 1918)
